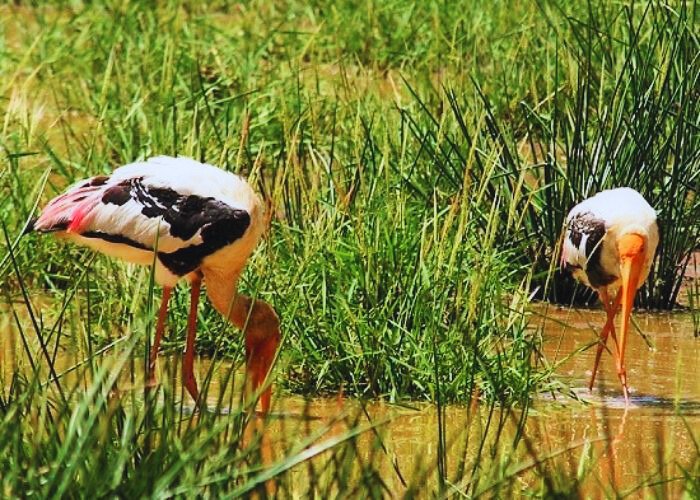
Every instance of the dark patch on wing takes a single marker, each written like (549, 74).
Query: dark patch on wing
(183, 261)
(115, 238)
(586, 223)
(96, 181)
(119, 194)
(186, 214)
(100, 180)
(597, 276)
(215, 236)
(219, 223)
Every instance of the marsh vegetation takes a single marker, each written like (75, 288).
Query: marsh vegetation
(418, 160)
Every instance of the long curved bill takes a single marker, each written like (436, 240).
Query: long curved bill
(631, 249)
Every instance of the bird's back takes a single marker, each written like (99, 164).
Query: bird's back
(592, 229)
(190, 177)
(185, 211)
(617, 207)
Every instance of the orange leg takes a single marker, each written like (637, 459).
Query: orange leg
(160, 328)
(188, 360)
(611, 310)
(631, 248)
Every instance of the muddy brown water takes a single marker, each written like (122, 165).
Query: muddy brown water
(649, 442)
(659, 430)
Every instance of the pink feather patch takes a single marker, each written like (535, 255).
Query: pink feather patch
(81, 216)
(74, 208)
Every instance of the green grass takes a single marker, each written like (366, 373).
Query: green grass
(419, 160)
(620, 107)
(378, 273)
(629, 119)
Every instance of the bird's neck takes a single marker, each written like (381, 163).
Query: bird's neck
(221, 289)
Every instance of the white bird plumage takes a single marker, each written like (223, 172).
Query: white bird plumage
(622, 211)
(80, 206)
(610, 241)
(195, 222)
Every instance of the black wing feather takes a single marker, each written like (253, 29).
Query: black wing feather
(219, 223)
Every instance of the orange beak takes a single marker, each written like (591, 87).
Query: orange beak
(631, 248)
(260, 355)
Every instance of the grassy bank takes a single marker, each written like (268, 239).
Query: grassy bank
(379, 272)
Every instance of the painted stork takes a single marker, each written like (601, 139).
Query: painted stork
(609, 244)
(193, 221)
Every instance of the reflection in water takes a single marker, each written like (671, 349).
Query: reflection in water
(601, 445)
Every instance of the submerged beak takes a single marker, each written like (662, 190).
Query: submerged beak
(631, 248)
(260, 354)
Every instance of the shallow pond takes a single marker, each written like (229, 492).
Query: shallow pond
(595, 439)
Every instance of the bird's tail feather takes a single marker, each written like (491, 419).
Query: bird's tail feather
(29, 228)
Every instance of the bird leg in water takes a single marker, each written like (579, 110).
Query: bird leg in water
(188, 378)
(262, 337)
(631, 248)
(611, 311)
(160, 327)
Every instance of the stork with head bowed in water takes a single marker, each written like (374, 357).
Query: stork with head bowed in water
(609, 244)
(195, 222)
